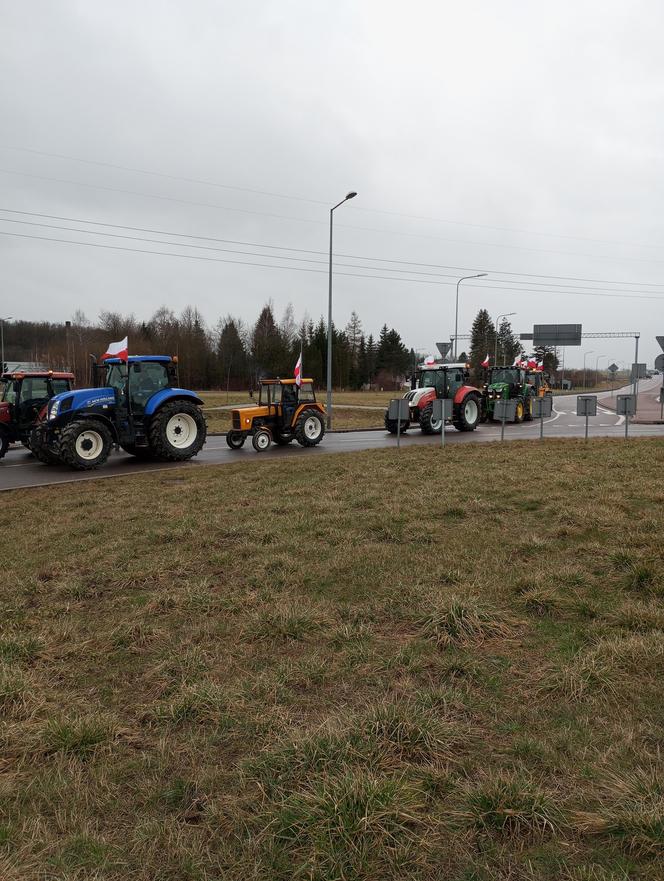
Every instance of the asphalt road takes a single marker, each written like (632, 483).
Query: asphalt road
(19, 470)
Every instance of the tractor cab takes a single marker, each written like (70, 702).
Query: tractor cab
(284, 413)
(506, 382)
(445, 379)
(148, 375)
(24, 398)
(539, 382)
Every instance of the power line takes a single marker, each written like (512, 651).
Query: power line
(528, 275)
(272, 194)
(273, 216)
(571, 288)
(319, 271)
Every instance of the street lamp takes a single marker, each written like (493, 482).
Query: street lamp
(2, 342)
(597, 364)
(348, 196)
(456, 311)
(495, 353)
(591, 352)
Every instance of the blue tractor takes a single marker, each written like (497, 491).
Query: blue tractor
(135, 405)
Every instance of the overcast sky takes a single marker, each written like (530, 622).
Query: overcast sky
(516, 138)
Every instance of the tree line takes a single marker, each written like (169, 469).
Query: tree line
(231, 355)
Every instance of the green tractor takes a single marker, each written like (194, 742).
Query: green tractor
(509, 383)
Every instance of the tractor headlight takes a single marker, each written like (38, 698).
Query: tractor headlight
(54, 409)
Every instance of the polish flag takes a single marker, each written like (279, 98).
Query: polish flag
(297, 373)
(485, 363)
(532, 363)
(430, 359)
(517, 361)
(540, 365)
(117, 350)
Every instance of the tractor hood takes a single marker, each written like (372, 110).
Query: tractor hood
(498, 386)
(80, 400)
(415, 396)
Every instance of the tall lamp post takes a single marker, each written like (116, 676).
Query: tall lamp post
(456, 311)
(495, 353)
(348, 196)
(597, 365)
(591, 352)
(2, 342)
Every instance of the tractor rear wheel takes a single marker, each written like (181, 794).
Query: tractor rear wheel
(467, 415)
(4, 443)
(309, 428)
(177, 431)
(428, 424)
(392, 426)
(40, 451)
(84, 444)
(235, 440)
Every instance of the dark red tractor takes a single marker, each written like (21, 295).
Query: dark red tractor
(24, 399)
(441, 381)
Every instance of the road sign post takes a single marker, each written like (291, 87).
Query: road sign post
(661, 404)
(504, 410)
(586, 405)
(542, 408)
(613, 369)
(442, 409)
(398, 409)
(626, 406)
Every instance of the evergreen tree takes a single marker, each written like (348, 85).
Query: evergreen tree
(509, 345)
(371, 361)
(482, 341)
(232, 356)
(547, 355)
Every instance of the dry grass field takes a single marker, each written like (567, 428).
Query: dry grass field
(418, 666)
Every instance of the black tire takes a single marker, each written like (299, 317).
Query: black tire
(391, 425)
(520, 411)
(84, 444)
(139, 452)
(4, 443)
(41, 452)
(467, 414)
(528, 409)
(177, 431)
(428, 424)
(283, 438)
(261, 440)
(309, 428)
(235, 440)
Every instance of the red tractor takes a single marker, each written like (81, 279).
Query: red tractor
(441, 381)
(24, 399)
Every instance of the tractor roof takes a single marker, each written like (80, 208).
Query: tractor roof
(38, 374)
(133, 359)
(439, 366)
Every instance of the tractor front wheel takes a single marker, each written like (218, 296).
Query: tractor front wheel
(519, 412)
(40, 451)
(467, 416)
(235, 440)
(85, 445)
(392, 426)
(428, 424)
(177, 431)
(310, 428)
(261, 440)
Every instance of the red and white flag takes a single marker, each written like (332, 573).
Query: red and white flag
(540, 365)
(485, 363)
(517, 361)
(430, 359)
(532, 363)
(117, 350)
(297, 373)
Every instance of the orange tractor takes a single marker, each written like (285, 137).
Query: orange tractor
(284, 413)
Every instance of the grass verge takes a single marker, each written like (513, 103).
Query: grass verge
(417, 665)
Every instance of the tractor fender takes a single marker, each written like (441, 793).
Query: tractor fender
(463, 392)
(169, 394)
(420, 400)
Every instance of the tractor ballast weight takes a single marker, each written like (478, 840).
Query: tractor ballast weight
(284, 413)
(25, 396)
(440, 381)
(136, 405)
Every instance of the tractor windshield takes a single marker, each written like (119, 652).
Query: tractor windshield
(505, 375)
(9, 393)
(434, 379)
